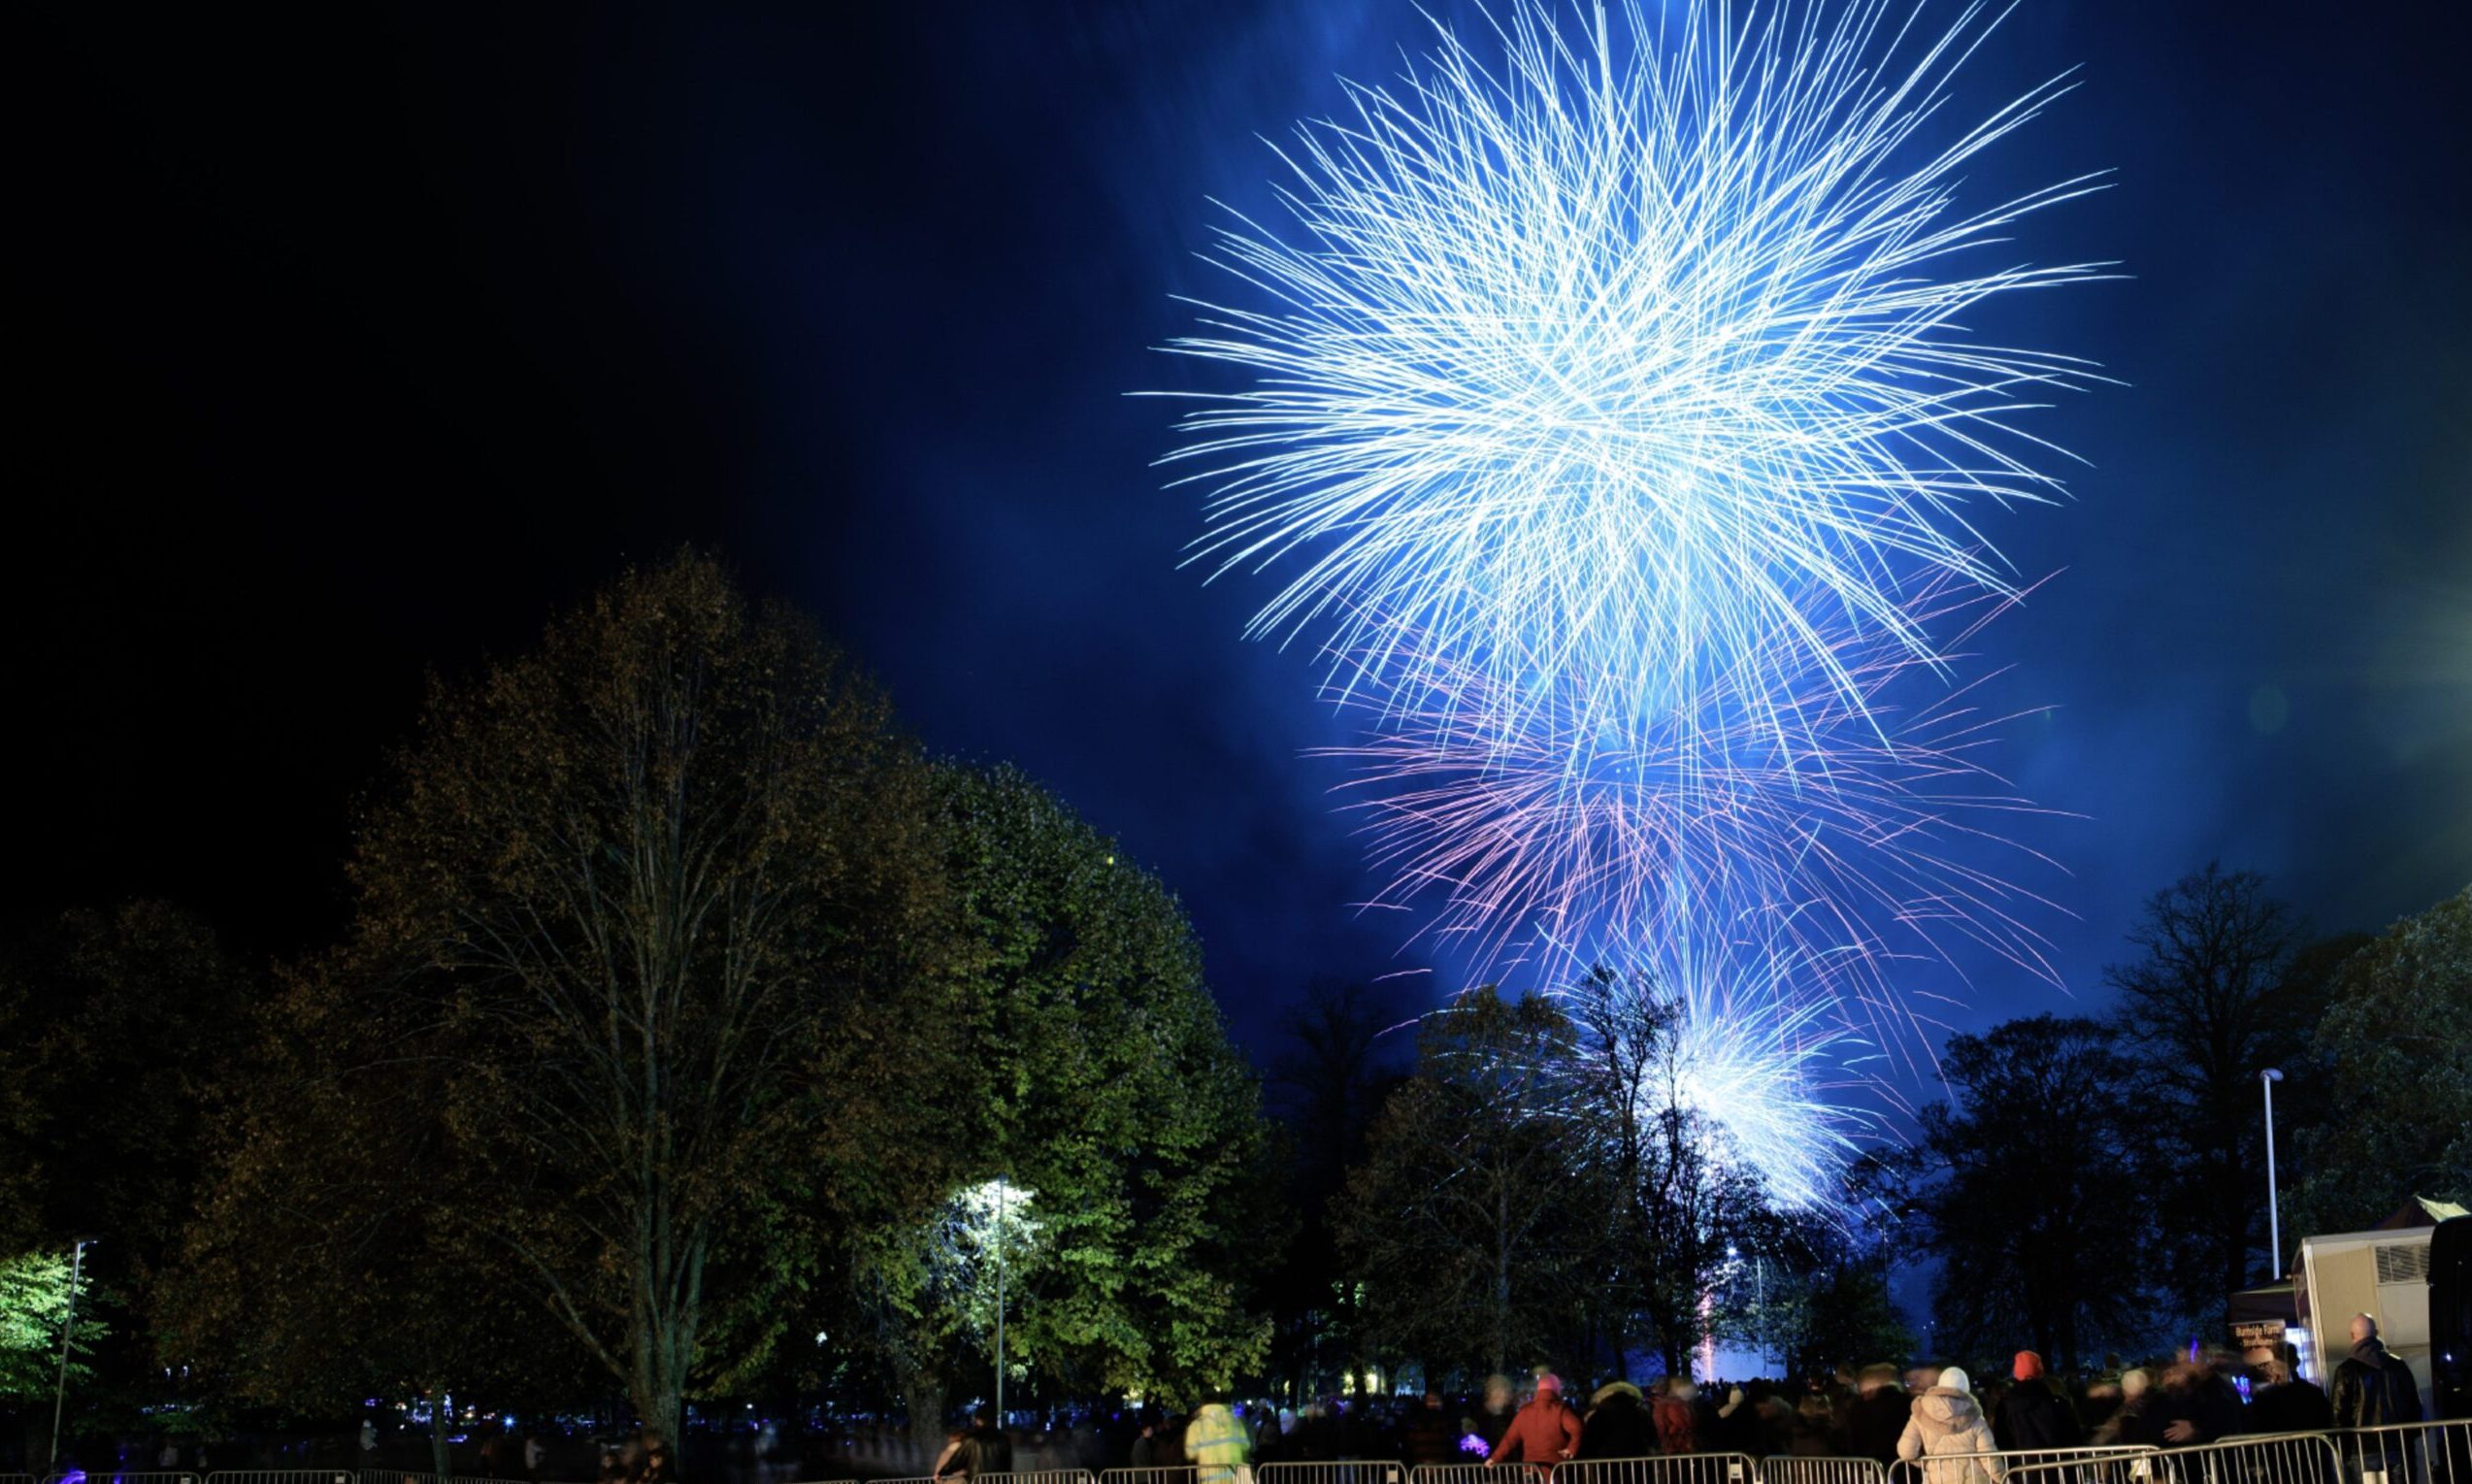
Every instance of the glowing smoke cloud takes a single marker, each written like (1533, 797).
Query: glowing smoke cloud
(1613, 438)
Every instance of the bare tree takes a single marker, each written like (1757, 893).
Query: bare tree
(2203, 1009)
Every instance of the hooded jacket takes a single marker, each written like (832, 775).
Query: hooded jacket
(1619, 1426)
(1944, 1430)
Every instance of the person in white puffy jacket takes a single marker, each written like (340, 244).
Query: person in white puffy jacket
(1948, 1435)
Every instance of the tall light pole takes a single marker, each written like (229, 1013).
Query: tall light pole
(999, 1301)
(61, 1391)
(2266, 1080)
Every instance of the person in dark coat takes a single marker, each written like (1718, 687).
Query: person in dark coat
(2195, 1404)
(1880, 1408)
(2289, 1403)
(1429, 1438)
(2373, 1387)
(995, 1448)
(1618, 1424)
(2031, 1416)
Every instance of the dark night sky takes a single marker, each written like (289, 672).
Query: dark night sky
(354, 342)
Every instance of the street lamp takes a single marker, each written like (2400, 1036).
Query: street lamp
(68, 1325)
(2266, 1081)
(1000, 1301)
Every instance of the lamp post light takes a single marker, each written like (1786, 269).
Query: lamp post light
(999, 1301)
(2266, 1081)
(68, 1326)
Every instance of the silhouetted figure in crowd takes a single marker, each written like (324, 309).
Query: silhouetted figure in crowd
(960, 1458)
(1677, 1416)
(1617, 1425)
(995, 1449)
(2373, 1387)
(1429, 1438)
(2034, 1416)
(1878, 1418)
(2289, 1403)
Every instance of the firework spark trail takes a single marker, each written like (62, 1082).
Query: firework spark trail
(1603, 365)
(1612, 436)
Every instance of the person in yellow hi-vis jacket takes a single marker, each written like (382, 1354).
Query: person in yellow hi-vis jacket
(1218, 1448)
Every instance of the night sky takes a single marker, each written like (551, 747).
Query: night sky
(358, 341)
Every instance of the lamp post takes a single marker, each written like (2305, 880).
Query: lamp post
(999, 1301)
(2266, 1081)
(68, 1326)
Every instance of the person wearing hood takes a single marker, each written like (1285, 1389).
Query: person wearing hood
(1218, 1445)
(1544, 1432)
(1677, 1415)
(2373, 1387)
(2032, 1417)
(1946, 1433)
(1617, 1424)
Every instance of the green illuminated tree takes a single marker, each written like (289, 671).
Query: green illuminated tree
(2395, 1052)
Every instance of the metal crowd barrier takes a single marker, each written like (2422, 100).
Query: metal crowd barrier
(119, 1476)
(402, 1476)
(1454, 1473)
(279, 1476)
(2407, 1453)
(1371, 1470)
(1039, 1476)
(1184, 1476)
(1789, 1469)
(1664, 1468)
(2086, 1463)
(2271, 1458)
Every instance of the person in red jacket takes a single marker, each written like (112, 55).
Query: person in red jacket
(1544, 1432)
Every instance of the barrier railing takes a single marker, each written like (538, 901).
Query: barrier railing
(1822, 1470)
(2407, 1453)
(1039, 1476)
(279, 1476)
(122, 1476)
(2086, 1463)
(1454, 1474)
(1176, 1475)
(1664, 1468)
(1350, 1472)
(403, 1476)
(2277, 1458)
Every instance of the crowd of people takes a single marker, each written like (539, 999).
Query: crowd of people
(1936, 1420)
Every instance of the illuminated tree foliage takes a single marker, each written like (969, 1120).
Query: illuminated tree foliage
(1094, 1069)
(34, 1308)
(2396, 1051)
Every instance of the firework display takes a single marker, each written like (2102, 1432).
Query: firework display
(1610, 431)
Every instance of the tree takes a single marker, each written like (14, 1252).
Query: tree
(1459, 1225)
(2206, 1006)
(622, 928)
(1673, 1201)
(2395, 1046)
(1093, 1072)
(1328, 1084)
(35, 1302)
(124, 1024)
(2035, 1211)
